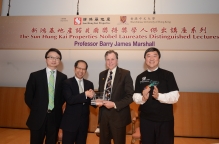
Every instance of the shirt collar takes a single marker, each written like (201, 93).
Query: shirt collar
(153, 70)
(78, 79)
(113, 70)
(48, 70)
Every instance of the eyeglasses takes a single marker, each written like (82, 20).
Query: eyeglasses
(53, 58)
(81, 68)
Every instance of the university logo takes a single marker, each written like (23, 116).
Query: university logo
(143, 78)
(77, 21)
(122, 19)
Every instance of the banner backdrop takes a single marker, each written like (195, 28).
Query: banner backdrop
(131, 32)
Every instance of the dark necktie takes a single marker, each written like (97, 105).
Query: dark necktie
(109, 86)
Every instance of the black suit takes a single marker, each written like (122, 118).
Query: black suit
(118, 118)
(37, 99)
(75, 120)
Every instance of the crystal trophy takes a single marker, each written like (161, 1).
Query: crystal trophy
(99, 97)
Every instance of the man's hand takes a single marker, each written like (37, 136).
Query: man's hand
(145, 93)
(145, 98)
(90, 93)
(155, 92)
(99, 102)
(108, 104)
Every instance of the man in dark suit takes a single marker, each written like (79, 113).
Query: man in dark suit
(77, 92)
(45, 107)
(114, 115)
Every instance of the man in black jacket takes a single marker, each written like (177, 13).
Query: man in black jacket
(43, 96)
(77, 92)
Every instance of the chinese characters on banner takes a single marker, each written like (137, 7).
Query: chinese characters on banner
(168, 32)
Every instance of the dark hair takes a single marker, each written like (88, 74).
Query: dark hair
(151, 49)
(112, 51)
(54, 50)
(76, 63)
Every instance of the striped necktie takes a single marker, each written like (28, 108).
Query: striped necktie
(108, 89)
(51, 90)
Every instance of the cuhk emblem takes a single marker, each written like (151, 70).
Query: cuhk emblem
(123, 19)
(143, 78)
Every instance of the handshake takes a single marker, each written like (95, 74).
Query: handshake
(90, 93)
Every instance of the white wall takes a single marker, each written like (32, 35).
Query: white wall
(195, 71)
(99, 7)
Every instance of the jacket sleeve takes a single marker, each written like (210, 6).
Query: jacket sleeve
(30, 90)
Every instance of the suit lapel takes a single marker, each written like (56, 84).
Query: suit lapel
(85, 85)
(58, 78)
(74, 85)
(103, 80)
(116, 80)
(45, 81)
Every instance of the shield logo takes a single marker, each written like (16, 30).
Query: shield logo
(123, 19)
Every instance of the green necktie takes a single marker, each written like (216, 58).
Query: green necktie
(51, 91)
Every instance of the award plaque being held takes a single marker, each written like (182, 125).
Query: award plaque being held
(98, 98)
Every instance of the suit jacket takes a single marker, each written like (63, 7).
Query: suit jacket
(77, 105)
(122, 92)
(37, 98)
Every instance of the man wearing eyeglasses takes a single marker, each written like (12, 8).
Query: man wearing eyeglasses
(78, 93)
(43, 96)
(156, 91)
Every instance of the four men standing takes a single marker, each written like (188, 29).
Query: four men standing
(155, 90)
